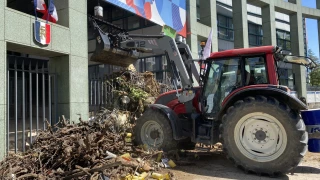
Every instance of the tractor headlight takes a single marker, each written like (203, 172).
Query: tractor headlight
(125, 99)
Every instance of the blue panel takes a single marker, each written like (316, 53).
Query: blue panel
(122, 5)
(169, 11)
(159, 5)
(166, 13)
(183, 4)
(177, 24)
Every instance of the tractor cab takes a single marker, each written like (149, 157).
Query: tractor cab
(239, 70)
(230, 71)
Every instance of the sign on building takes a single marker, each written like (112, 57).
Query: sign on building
(42, 32)
(163, 12)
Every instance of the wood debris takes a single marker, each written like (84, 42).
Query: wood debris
(79, 151)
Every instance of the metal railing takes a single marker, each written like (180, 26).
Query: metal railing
(31, 100)
(101, 94)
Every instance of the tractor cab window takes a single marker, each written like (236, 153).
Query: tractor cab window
(222, 77)
(255, 71)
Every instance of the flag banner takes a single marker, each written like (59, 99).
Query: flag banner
(40, 6)
(167, 30)
(42, 32)
(207, 48)
(49, 14)
(163, 12)
(52, 15)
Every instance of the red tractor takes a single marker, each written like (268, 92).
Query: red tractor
(241, 105)
(239, 102)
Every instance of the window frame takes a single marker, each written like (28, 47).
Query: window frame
(243, 61)
(257, 36)
(283, 39)
(228, 28)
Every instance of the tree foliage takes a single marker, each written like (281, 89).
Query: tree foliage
(315, 74)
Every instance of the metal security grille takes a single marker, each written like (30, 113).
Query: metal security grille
(31, 100)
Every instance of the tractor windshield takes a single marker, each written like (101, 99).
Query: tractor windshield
(223, 76)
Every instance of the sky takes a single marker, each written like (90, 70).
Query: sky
(312, 26)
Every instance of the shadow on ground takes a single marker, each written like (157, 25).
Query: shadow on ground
(217, 166)
(307, 170)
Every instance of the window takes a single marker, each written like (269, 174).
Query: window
(222, 79)
(118, 23)
(286, 77)
(283, 39)
(198, 10)
(255, 71)
(255, 34)
(133, 22)
(225, 28)
(158, 65)
(117, 13)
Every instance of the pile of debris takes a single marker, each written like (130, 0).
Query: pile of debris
(87, 150)
(141, 88)
(100, 148)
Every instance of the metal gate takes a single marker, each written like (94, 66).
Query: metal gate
(31, 100)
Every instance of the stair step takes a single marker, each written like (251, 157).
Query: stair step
(203, 137)
(207, 125)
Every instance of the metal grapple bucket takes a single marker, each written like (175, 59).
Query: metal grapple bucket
(106, 53)
(311, 119)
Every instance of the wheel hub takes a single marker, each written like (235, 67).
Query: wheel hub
(260, 137)
(152, 134)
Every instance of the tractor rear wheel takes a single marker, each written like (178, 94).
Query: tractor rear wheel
(154, 130)
(261, 135)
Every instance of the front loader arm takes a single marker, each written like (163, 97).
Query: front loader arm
(167, 45)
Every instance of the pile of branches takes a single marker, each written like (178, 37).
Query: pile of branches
(139, 87)
(86, 150)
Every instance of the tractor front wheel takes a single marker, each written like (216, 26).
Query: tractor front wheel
(261, 135)
(154, 130)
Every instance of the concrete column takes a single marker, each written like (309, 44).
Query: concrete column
(72, 70)
(79, 96)
(208, 16)
(192, 27)
(3, 87)
(213, 12)
(61, 67)
(240, 24)
(268, 24)
(297, 48)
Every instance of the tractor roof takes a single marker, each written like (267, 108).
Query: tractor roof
(243, 51)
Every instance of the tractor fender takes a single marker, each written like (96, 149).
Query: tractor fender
(172, 117)
(279, 94)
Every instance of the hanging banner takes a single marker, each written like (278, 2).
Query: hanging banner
(169, 31)
(163, 12)
(42, 32)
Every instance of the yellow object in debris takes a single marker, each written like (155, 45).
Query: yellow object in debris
(143, 175)
(129, 135)
(172, 164)
(159, 157)
(126, 156)
(127, 140)
(159, 176)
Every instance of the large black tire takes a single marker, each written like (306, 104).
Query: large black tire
(152, 115)
(292, 123)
